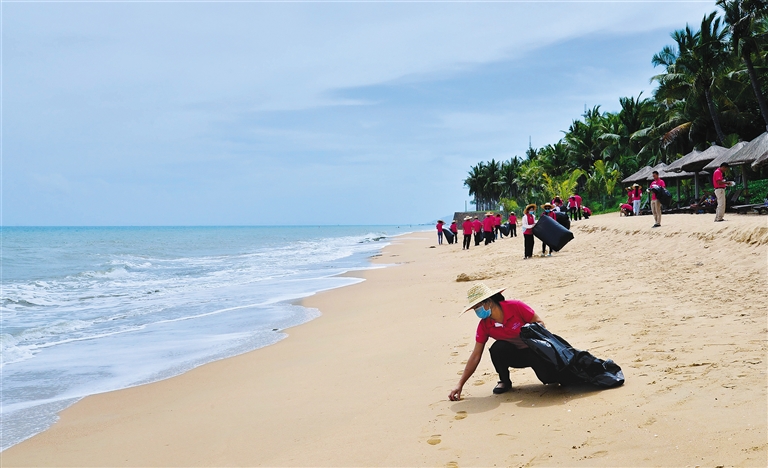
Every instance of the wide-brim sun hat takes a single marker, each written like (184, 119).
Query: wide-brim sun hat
(545, 205)
(478, 293)
(532, 205)
(467, 217)
(635, 185)
(441, 221)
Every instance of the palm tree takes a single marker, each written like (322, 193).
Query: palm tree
(744, 20)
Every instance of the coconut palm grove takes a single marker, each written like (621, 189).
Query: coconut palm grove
(710, 90)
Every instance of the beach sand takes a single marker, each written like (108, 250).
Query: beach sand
(682, 309)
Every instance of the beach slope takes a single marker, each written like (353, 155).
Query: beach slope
(682, 309)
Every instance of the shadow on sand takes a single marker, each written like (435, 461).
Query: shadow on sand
(527, 395)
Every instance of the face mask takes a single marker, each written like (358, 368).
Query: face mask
(483, 313)
(546, 211)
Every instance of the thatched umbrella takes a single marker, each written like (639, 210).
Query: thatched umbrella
(724, 157)
(677, 166)
(638, 176)
(760, 161)
(751, 151)
(701, 159)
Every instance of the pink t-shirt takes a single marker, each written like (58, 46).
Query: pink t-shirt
(578, 201)
(516, 314)
(513, 219)
(718, 181)
(466, 227)
(454, 228)
(439, 227)
(657, 183)
(488, 223)
(476, 225)
(626, 206)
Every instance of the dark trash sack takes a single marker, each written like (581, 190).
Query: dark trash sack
(662, 195)
(572, 365)
(564, 220)
(551, 233)
(448, 235)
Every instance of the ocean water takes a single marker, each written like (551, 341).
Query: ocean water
(90, 310)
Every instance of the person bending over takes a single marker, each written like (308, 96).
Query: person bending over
(501, 320)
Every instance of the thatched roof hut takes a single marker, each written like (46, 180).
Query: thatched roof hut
(751, 151)
(697, 162)
(724, 157)
(660, 167)
(638, 176)
(677, 166)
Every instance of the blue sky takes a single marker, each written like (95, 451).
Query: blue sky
(298, 113)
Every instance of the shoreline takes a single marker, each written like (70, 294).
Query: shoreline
(366, 383)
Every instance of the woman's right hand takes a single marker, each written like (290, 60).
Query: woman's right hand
(455, 394)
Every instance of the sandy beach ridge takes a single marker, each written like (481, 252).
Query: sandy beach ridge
(681, 308)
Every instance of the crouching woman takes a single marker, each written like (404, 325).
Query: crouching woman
(501, 320)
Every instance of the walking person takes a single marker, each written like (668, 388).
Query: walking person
(547, 212)
(637, 196)
(512, 224)
(466, 229)
(455, 230)
(439, 231)
(572, 207)
(502, 320)
(578, 204)
(719, 182)
(656, 183)
(488, 224)
(529, 220)
(477, 227)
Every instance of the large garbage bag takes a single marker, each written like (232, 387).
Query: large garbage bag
(504, 229)
(662, 195)
(552, 233)
(573, 365)
(448, 235)
(564, 220)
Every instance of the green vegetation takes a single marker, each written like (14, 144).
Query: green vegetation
(711, 88)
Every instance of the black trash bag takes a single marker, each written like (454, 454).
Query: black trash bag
(564, 220)
(572, 365)
(552, 233)
(662, 195)
(448, 235)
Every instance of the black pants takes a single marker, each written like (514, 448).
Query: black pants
(528, 245)
(467, 239)
(572, 213)
(544, 248)
(505, 355)
(488, 237)
(512, 230)
(478, 237)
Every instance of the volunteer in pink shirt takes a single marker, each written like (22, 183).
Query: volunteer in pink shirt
(512, 225)
(547, 212)
(477, 227)
(655, 203)
(466, 229)
(578, 204)
(529, 220)
(440, 231)
(501, 320)
(488, 223)
(719, 182)
(637, 195)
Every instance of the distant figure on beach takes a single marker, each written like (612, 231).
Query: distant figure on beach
(547, 212)
(529, 220)
(497, 225)
(719, 182)
(626, 210)
(655, 202)
(512, 224)
(477, 227)
(488, 224)
(572, 207)
(466, 229)
(637, 195)
(455, 230)
(501, 320)
(577, 197)
(587, 212)
(557, 204)
(440, 231)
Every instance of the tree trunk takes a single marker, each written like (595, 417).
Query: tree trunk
(715, 118)
(756, 88)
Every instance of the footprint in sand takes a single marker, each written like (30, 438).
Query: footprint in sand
(460, 415)
(454, 353)
(478, 382)
(434, 440)
(452, 464)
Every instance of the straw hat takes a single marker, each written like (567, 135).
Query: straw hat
(635, 185)
(441, 221)
(532, 205)
(467, 217)
(546, 205)
(478, 293)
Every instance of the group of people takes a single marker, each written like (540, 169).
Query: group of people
(657, 185)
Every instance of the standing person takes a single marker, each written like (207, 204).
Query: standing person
(466, 229)
(477, 227)
(440, 231)
(637, 195)
(488, 223)
(572, 208)
(529, 219)
(455, 230)
(512, 224)
(497, 227)
(547, 212)
(719, 182)
(578, 203)
(501, 320)
(655, 203)
(557, 204)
